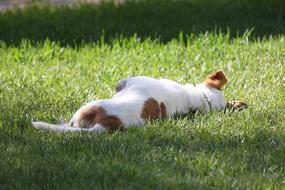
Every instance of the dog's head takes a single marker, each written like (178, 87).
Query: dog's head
(211, 90)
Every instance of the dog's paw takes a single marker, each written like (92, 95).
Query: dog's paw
(236, 106)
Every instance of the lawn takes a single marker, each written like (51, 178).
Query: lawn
(55, 59)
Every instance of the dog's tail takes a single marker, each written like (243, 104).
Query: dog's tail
(43, 126)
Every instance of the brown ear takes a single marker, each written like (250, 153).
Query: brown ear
(216, 80)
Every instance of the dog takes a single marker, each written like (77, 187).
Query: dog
(142, 98)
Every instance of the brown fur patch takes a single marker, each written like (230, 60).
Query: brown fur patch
(217, 80)
(92, 115)
(162, 110)
(150, 109)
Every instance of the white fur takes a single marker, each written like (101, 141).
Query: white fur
(65, 128)
(128, 103)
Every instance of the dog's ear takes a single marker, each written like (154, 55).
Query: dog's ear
(216, 80)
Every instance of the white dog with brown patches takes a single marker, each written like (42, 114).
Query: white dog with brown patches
(144, 98)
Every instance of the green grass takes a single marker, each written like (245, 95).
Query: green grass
(156, 19)
(48, 71)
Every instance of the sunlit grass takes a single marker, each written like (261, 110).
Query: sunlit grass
(48, 81)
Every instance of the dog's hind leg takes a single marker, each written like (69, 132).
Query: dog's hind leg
(121, 85)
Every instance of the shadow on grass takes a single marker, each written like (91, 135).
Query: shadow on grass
(136, 157)
(160, 19)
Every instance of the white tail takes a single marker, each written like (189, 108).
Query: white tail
(43, 126)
